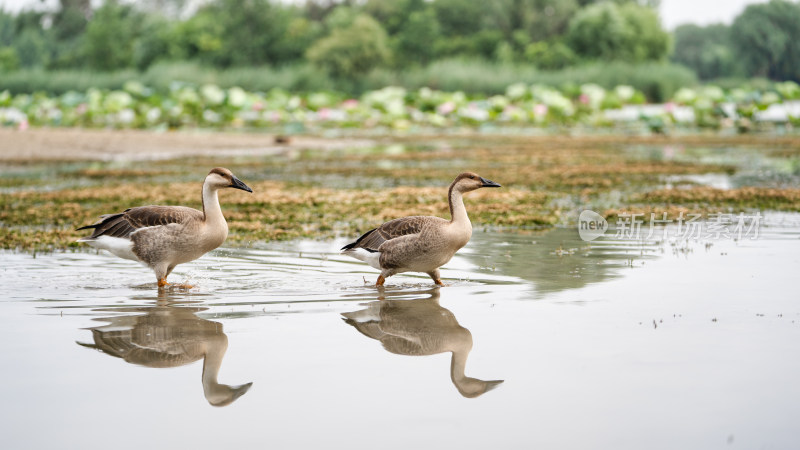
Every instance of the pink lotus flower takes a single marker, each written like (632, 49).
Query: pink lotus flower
(23, 125)
(350, 103)
(669, 107)
(540, 109)
(584, 99)
(258, 106)
(324, 114)
(446, 108)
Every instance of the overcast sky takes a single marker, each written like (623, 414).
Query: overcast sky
(673, 12)
(701, 12)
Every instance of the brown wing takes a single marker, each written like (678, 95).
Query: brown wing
(121, 225)
(373, 239)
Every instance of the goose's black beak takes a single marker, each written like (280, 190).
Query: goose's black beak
(237, 183)
(489, 183)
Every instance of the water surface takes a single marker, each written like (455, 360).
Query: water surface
(613, 344)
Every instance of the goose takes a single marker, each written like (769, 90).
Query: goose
(419, 243)
(167, 336)
(421, 327)
(162, 237)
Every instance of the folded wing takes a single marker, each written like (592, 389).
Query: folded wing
(373, 239)
(121, 225)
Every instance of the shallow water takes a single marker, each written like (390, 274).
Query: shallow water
(613, 344)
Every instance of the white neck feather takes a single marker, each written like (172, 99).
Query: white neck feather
(457, 210)
(211, 208)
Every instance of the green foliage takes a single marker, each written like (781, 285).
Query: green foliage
(461, 17)
(628, 33)
(551, 55)
(599, 31)
(417, 38)
(157, 42)
(767, 39)
(534, 19)
(110, 37)
(7, 28)
(658, 81)
(649, 42)
(352, 51)
(9, 60)
(32, 48)
(707, 50)
(412, 42)
(70, 21)
(252, 32)
(200, 37)
(521, 104)
(300, 35)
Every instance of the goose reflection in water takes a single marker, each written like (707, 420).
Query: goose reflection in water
(169, 336)
(421, 327)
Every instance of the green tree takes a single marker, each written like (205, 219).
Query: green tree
(461, 17)
(199, 37)
(550, 55)
(536, 19)
(766, 38)
(647, 39)
(252, 31)
(607, 31)
(32, 48)
(352, 51)
(157, 41)
(70, 20)
(110, 36)
(413, 42)
(9, 60)
(300, 35)
(8, 28)
(706, 50)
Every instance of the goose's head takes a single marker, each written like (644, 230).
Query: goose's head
(473, 387)
(221, 177)
(223, 395)
(469, 181)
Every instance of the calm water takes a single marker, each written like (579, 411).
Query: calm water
(618, 344)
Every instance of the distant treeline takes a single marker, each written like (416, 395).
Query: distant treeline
(349, 39)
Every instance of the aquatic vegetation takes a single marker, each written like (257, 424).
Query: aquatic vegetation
(343, 192)
(209, 106)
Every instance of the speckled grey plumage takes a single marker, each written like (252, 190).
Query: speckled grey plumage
(164, 236)
(421, 243)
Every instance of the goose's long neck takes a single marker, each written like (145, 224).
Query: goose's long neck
(211, 210)
(218, 394)
(215, 351)
(215, 392)
(458, 362)
(458, 213)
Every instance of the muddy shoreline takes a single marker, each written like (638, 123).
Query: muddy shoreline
(77, 144)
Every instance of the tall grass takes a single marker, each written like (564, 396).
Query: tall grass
(657, 80)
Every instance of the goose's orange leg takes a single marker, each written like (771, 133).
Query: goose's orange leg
(380, 281)
(162, 283)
